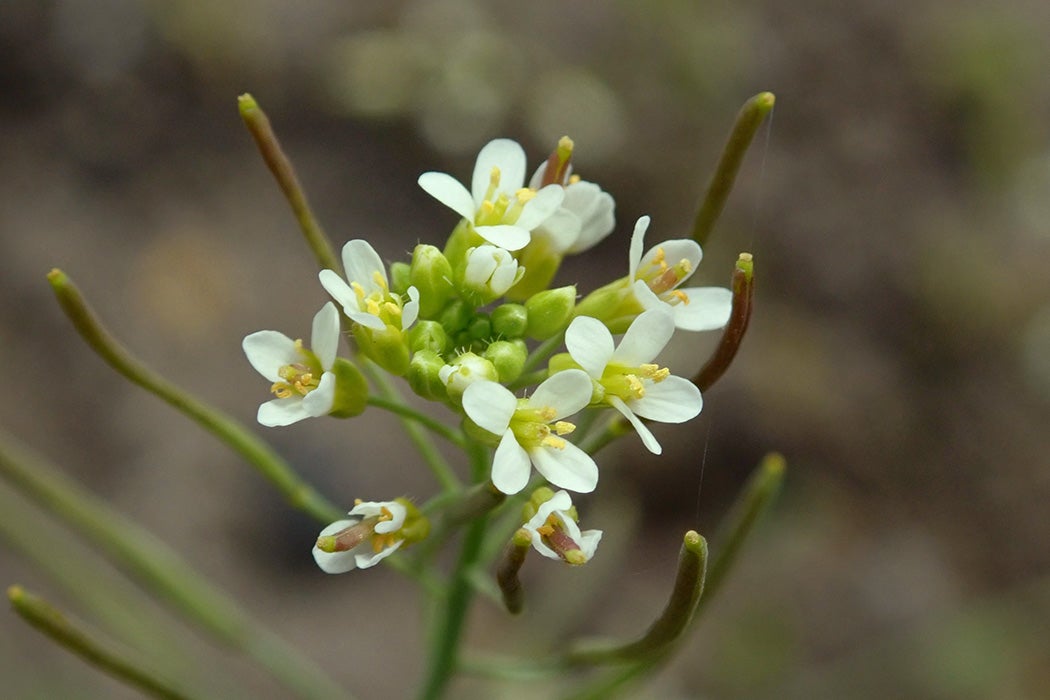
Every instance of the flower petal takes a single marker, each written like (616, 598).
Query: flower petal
(339, 290)
(540, 207)
(510, 465)
(674, 400)
(598, 224)
(410, 311)
(707, 310)
(369, 559)
(637, 243)
(335, 562)
(281, 412)
(506, 236)
(674, 251)
(648, 439)
(490, 405)
(367, 320)
(447, 190)
(566, 392)
(590, 344)
(324, 337)
(588, 542)
(561, 228)
(268, 351)
(646, 337)
(362, 262)
(396, 522)
(566, 467)
(319, 402)
(504, 154)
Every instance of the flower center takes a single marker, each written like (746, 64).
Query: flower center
(355, 535)
(497, 208)
(629, 382)
(379, 302)
(663, 277)
(532, 427)
(556, 538)
(298, 378)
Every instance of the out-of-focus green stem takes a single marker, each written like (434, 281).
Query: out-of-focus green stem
(92, 646)
(750, 117)
(454, 436)
(160, 570)
(743, 293)
(278, 472)
(270, 148)
(542, 352)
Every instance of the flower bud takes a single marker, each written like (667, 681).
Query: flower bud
(462, 238)
(387, 348)
(431, 274)
(541, 261)
(428, 335)
(466, 369)
(510, 321)
(550, 312)
(400, 279)
(424, 375)
(487, 273)
(351, 389)
(508, 357)
(480, 328)
(456, 315)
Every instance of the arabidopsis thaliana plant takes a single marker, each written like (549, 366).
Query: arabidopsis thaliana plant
(367, 298)
(302, 379)
(530, 430)
(366, 538)
(625, 374)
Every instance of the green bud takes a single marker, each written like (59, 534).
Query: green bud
(387, 348)
(480, 328)
(550, 312)
(510, 321)
(541, 263)
(536, 499)
(460, 240)
(463, 371)
(477, 433)
(424, 375)
(428, 335)
(432, 276)
(508, 357)
(416, 526)
(456, 316)
(351, 390)
(561, 362)
(614, 305)
(399, 278)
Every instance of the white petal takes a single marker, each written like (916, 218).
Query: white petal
(537, 177)
(567, 467)
(590, 343)
(504, 154)
(319, 401)
(637, 243)
(506, 236)
(562, 228)
(447, 190)
(369, 559)
(566, 392)
(490, 405)
(540, 207)
(599, 222)
(324, 338)
(510, 465)
(648, 299)
(588, 542)
(396, 522)
(410, 311)
(362, 262)
(335, 562)
(674, 400)
(540, 546)
(367, 320)
(268, 351)
(674, 251)
(708, 309)
(339, 290)
(646, 337)
(648, 439)
(281, 412)
(481, 263)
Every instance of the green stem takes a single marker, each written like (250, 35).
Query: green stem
(542, 352)
(454, 436)
(92, 647)
(529, 379)
(750, 117)
(260, 455)
(270, 148)
(739, 317)
(160, 570)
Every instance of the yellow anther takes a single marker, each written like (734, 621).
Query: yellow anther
(524, 194)
(660, 256)
(358, 501)
(680, 296)
(685, 267)
(281, 390)
(547, 413)
(564, 427)
(573, 179)
(486, 207)
(635, 385)
(377, 277)
(372, 307)
(385, 514)
(555, 442)
(545, 530)
(494, 176)
(359, 291)
(392, 308)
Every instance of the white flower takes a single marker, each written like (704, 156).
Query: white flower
(555, 534)
(367, 299)
(491, 271)
(586, 215)
(502, 211)
(527, 434)
(628, 380)
(655, 278)
(368, 537)
(466, 369)
(302, 379)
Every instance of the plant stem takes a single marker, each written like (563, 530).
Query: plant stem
(542, 352)
(454, 436)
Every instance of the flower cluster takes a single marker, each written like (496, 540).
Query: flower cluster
(475, 325)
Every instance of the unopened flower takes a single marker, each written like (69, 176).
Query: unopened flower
(501, 209)
(303, 381)
(367, 298)
(656, 276)
(489, 272)
(372, 533)
(555, 533)
(531, 429)
(466, 369)
(626, 377)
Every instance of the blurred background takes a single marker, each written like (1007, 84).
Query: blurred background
(897, 207)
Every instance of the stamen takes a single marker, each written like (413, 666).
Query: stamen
(372, 307)
(555, 442)
(392, 308)
(564, 427)
(680, 296)
(573, 179)
(385, 514)
(281, 390)
(635, 385)
(547, 413)
(377, 277)
(524, 194)
(359, 291)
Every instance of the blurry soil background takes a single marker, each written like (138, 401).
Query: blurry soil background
(898, 207)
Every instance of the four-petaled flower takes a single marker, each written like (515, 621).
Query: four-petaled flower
(625, 376)
(370, 535)
(302, 378)
(555, 534)
(527, 434)
(656, 276)
(367, 299)
(501, 209)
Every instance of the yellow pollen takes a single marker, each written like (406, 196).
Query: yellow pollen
(494, 176)
(378, 278)
(660, 256)
(281, 390)
(680, 296)
(545, 530)
(385, 514)
(573, 179)
(685, 266)
(487, 207)
(525, 194)
(547, 413)
(635, 385)
(392, 308)
(359, 291)
(372, 306)
(564, 427)
(555, 442)
(565, 144)
(655, 372)
(358, 501)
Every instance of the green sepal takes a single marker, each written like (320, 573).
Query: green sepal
(508, 357)
(476, 432)
(510, 321)
(550, 312)
(462, 238)
(455, 316)
(431, 274)
(387, 348)
(400, 279)
(614, 305)
(480, 327)
(541, 263)
(417, 526)
(428, 335)
(351, 390)
(423, 375)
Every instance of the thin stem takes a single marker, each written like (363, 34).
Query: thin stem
(542, 352)
(739, 317)
(750, 117)
(91, 646)
(160, 570)
(260, 455)
(528, 379)
(453, 435)
(440, 467)
(270, 148)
